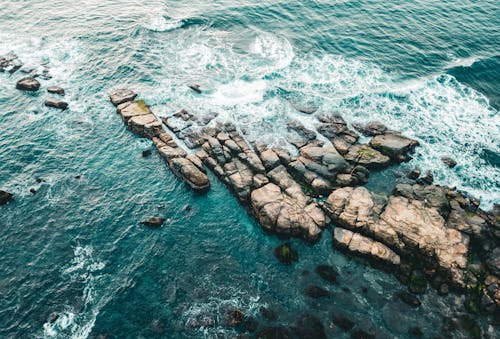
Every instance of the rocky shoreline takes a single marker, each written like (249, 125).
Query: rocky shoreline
(423, 233)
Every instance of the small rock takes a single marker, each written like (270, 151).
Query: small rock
(308, 326)
(32, 190)
(56, 103)
(234, 317)
(28, 84)
(286, 254)
(146, 153)
(414, 174)
(153, 222)
(187, 208)
(195, 88)
(78, 177)
(314, 291)
(443, 289)
(5, 197)
(449, 162)
(56, 90)
(427, 180)
(417, 282)
(409, 299)
(327, 273)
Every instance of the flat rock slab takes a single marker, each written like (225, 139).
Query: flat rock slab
(366, 156)
(393, 145)
(122, 95)
(28, 84)
(55, 103)
(56, 90)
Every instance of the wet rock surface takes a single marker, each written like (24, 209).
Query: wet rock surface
(56, 90)
(10, 62)
(55, 103)
(5, 197)
(153, 222)
(28, 84)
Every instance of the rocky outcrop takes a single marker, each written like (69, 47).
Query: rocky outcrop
(141, 120)
(28, 84)
(364, 155)
(55, 103)
(10, 62)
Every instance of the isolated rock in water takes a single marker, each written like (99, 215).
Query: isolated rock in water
(28, 84)
(342, 322)
(56, 103)
(327, 273)
(53, 317)
(195, 88)
(371, 129)
(449, 162)
(5, 197)
(122, 95)
(409, 299)
(367, 156)
(146, 153)
(56, 90)
(153, 222)
(286, 254)
(314, 291)
(393, 145)
(10, 63)
(234, 317)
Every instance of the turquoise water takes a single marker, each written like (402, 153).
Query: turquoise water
(428, 68)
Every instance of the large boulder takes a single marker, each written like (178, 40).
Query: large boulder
(394, 145)
(28, 84)
(122, 95)
(191, 174)
(56, 90)
(55, 103)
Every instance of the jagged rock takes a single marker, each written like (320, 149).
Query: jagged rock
(371, 129)
(393, 145)
(55, 103)
(286, 254)
(314, 291)
(427, 180)
(10, 63)
(153, 222)
(414, 174)
(122, 95)
(129, 109)
(449, 162)
(334, 126)
(145, 125)
(327, 272)
(364, 246)
(28, 84)
(433, 196)
(305, 135)
(5, 197)
(193, 176)
(366, 156)
(270, 159)
(409, 227)
(56, 90)
(493, 261)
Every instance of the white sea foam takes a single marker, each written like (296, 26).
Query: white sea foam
(162, 24)
(245, 85)
(462, 62)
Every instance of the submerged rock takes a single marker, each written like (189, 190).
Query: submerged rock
(409, 299)
(10, 63)
(275, 333)
(55, 103)
(56, 90)
(122, 95)
(327, 272)
(5, 197)
(315, 291)
(308, 326)
(286, 254)
(342, 322)
(146, 153)
(234, 317)
(449, 162)
(153, 222)
(28, 84)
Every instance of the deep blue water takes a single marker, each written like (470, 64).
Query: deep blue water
(428, 68)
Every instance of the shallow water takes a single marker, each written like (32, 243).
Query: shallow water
(75, 247)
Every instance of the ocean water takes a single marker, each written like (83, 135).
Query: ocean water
(428, 68)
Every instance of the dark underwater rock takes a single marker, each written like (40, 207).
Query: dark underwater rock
(268, 314)
(5, 197)
(275, 332)
(56, 90)
(234, 317)
(409, 299)
(361, 334)
(122, 95)
(417, 283)
(286, 254)
(308, 327)
(146, 153)
(342, 322)
(55, 103)
(195, 88)
(53, 317)
(28, 84)
(414, 174)
(315, 291)
(153, 222)
(327, 272)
